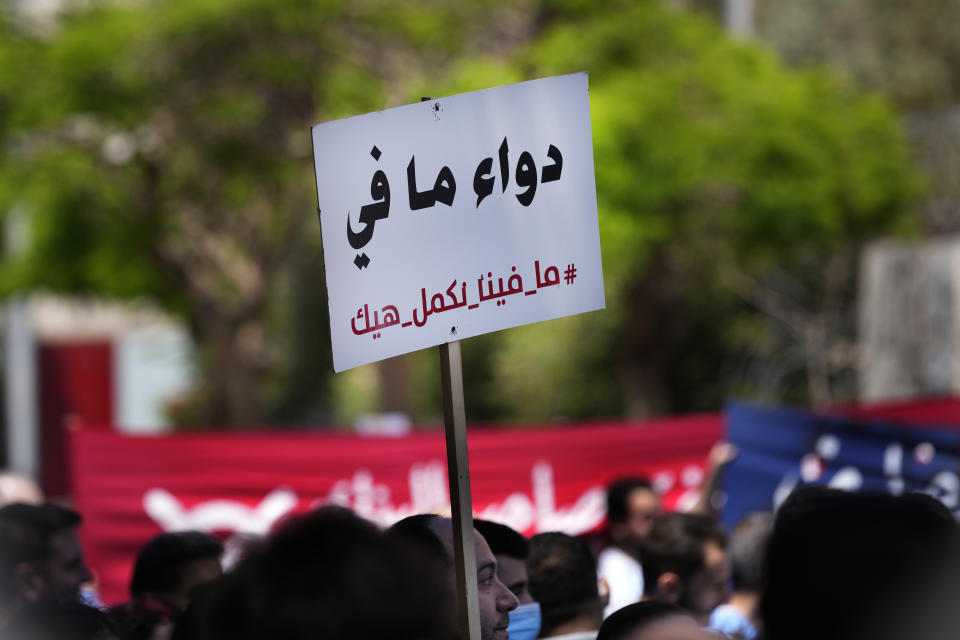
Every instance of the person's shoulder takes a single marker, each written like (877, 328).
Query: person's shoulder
(730, 621)
(614, 556)
(725, 612)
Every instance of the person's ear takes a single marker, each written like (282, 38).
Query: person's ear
(603, 587)
(30, 583)
(668, 587)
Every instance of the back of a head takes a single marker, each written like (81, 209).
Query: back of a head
(417, 531)
(844, 566)
(50, 620)
(630, 621)
(747, 548)
(618, 494)
(331, 574)
(162, 562)
(502, 539)
(563, 579)
(25, 537)
(675, 544)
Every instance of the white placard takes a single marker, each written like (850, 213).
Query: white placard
(427, 239)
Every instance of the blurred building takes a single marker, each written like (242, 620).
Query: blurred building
(85, 364)
(909, 319)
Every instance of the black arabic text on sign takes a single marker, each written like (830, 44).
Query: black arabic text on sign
(444, 189)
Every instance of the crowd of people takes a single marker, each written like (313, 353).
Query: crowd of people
(829, 564)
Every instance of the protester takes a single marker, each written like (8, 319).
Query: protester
(58, 620)
(563, 579)
(651, 620)
(685, 563)
(511, 550)
(847, 566)
(327, 574)
(40, 556)
(496, 600)
(167, 570)
(739, 617)
(632, 505)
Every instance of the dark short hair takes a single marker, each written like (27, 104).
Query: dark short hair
(844, 566)
(618, 494)
(675, 545)
(563, 578)
(161, 563)
(627, 621)
(59, 620)
(25, 533)
(502, 539)
(748, 544)
(417, 531)
(327, 573)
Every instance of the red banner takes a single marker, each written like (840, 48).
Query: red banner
(131, 488)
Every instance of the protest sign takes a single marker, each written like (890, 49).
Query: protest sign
(401, 263)
(781, 449)
(458, 216)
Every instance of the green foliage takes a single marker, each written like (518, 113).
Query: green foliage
(908, 52)
(713, 162)
(162, 150)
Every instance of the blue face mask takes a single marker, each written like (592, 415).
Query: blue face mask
(524, 622)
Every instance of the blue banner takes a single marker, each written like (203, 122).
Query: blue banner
(782, 449)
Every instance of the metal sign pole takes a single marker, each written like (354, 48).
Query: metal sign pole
(458, 470)
(458, 476)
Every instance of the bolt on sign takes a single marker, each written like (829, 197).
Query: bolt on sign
(458, 216)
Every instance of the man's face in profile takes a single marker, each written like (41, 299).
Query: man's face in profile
(496, 600)
(643, 507)
(66, 570)
(513, 573)
(707, 588)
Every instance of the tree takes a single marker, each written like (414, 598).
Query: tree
(734, 195)
(909, 52)
(162, 150)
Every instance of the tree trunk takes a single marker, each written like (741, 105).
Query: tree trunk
(654, 327)
(233, 372)
(645, 393)
(394, 379)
